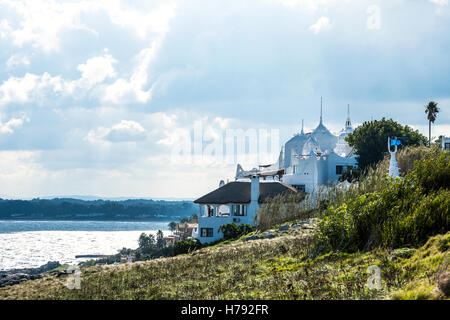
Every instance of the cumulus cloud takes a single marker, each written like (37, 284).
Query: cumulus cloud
(9, 126)
(322, 24)
(97, 69)
(36, 88)
(125, 131)
(133, 89)
(43, 22)
(17, 60)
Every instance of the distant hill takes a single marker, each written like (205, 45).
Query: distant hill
(77, 209)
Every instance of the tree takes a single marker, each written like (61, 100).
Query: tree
(369, 140)
(431, 110)
(172, 226)
(193, 218)
(147, 243)
(160, 243)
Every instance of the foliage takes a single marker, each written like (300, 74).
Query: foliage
(74, 209)
(147, 243)
(172, 226)
(278, 268)
(370, 139)
(280, 209)
(402, 213)
(234, 231)
(186, 246)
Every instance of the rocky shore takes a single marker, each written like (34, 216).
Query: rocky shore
(15, 276)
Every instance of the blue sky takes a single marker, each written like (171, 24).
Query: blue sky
(94, 95)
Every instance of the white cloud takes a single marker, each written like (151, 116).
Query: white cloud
(132, 89)
(142, 21)
(125, 131)
(12, 124)
(33, 87)
(440, 2)
(30, 87)
(97, 69)
(42, 22)
(322, 24)
(16, 60)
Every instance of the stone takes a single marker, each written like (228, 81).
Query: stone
(252, 237)
(268, 235)
(284, 227)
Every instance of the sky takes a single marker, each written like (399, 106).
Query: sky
(99, 97)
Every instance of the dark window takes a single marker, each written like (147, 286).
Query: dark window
(300, 187)
(339, 169)
(210, 211)
(447, 146)
(206, 232)
(239, 210)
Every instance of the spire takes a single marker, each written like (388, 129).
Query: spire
(348, 123)
(320, 109)
(302, 132)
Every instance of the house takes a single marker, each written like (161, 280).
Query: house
(234, 202)
(306, 161)
(184, 230)
(316, 158)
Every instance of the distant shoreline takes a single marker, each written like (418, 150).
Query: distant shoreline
(45, 219)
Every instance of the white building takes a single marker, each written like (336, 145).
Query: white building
(316, 158)
(305, 162)
(235, 202)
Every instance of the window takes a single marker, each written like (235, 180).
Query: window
(210, 211)
(447, 146)
(206, 232)
(295, 169)
(239, 209)
(339, 169)
(300, 187)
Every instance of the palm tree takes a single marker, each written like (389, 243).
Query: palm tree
(431, 110)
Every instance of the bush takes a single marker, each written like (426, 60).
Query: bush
(186, 246)
(402, 213)
(233, 231)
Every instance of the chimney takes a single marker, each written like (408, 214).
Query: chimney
(254, 195)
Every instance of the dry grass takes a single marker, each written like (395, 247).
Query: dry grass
(276, 268)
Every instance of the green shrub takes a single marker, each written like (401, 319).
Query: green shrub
(233, 231)
(186, 246)
(402, 213)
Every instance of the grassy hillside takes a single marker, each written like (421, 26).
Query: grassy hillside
(400, 226)
(276, 268)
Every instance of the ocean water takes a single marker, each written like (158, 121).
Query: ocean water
(29, 244)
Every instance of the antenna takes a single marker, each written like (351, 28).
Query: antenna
(321, 109)
(348, 123)
(303, 120)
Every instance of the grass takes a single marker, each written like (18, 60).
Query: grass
(279, 268)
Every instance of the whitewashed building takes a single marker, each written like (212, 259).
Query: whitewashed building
(316, 158)
(306, 161)
(235, 202)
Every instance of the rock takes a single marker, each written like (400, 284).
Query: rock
(284, 227)
(252, 237)
(444, 282)
(268, 235)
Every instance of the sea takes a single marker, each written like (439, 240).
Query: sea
(30, 244)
